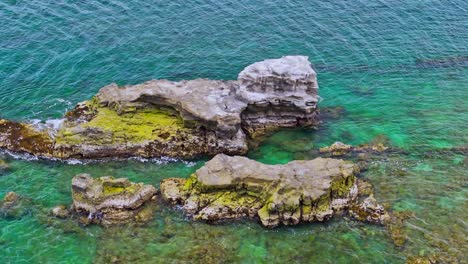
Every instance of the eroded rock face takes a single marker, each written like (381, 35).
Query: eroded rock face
(177, 119)
(109, 201)
(280, 93)
(234, 187)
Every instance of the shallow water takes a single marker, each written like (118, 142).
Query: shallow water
(395, 68)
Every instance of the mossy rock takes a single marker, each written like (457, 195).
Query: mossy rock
(233, 187)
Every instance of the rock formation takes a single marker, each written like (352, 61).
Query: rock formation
(177, 119)
(235, 187)
(110, 201)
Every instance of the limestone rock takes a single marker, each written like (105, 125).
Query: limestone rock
(280, 93)
(171, 189)
(233, 187)
(108, 201)
(178, 119)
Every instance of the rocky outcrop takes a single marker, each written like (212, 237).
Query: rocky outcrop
(109, 201)
(235, 187)
(177, 119)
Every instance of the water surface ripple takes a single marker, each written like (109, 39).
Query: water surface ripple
(394, 69)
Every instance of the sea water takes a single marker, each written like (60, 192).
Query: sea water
(396, 70)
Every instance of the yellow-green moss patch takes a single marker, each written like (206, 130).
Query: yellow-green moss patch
(110, 127)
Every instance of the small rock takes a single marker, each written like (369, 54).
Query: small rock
(337, 149)
(15, 206)
(109, 201)
(60, 211)
(370, 211)
(11, 197)
(365, 188)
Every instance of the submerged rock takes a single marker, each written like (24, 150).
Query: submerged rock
(10, 199)
(369, 211)
(4, 165)
(60, 211)
(14, 206)
(337, 149)
(110, 201)
(234, 187)
(177, 119)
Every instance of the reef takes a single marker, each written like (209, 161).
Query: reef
(108, 201)
(296, 192)
(181, 119)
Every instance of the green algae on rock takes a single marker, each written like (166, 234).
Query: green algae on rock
(235, 187)
(177, 119)
(109, 201)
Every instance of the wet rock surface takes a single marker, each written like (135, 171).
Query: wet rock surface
(177, 119)
(237, 187)
(109, 201)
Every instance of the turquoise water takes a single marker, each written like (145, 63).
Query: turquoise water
(394, 68)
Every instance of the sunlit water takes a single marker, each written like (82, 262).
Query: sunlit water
(397, 69)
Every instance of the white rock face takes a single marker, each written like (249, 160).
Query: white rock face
(280, 93)
(296, 69)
